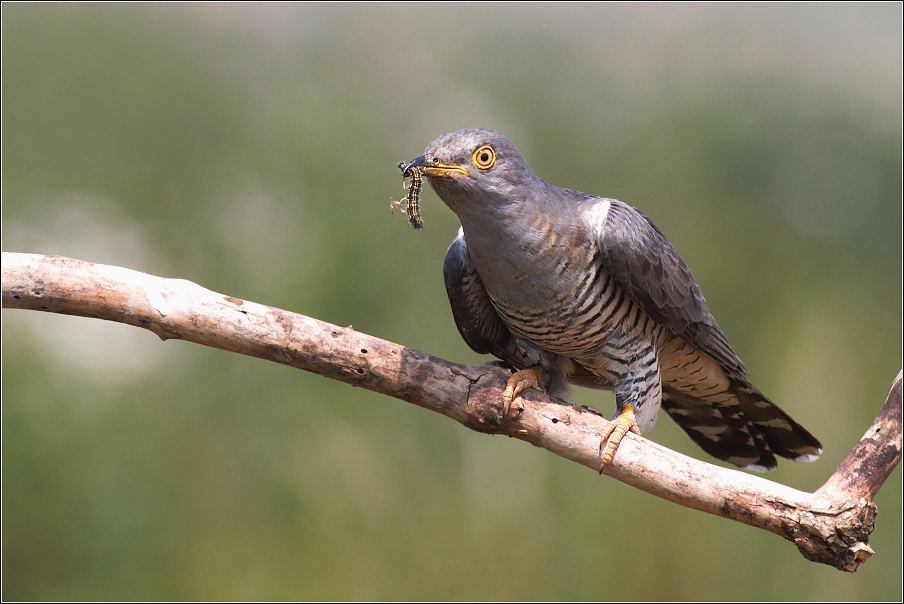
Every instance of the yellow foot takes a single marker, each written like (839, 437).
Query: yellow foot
(526, 378)
(617, 429)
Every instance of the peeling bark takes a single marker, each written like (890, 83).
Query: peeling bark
(831, 526)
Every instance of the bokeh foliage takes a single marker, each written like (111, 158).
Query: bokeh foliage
(252, 149)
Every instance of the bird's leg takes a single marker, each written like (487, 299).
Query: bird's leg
(638, 394)
(617, 429)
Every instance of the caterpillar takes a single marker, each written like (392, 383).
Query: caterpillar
(412, 201)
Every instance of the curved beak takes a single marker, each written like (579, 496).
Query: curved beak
(433, 168)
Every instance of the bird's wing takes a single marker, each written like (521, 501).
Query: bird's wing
(649, 270)
(476, 319)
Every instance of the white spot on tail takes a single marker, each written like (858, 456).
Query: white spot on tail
(808, 458)
(758, 468)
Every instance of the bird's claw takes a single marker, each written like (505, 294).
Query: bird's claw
(525, 378)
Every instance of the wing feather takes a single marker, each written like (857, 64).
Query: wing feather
(476, 318)
(648, 269)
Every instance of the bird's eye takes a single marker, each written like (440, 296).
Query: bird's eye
(484, 157)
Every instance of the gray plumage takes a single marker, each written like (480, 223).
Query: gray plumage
(589, 291)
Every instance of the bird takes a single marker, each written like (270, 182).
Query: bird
(569, 288)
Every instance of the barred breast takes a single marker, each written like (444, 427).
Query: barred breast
(559, 296)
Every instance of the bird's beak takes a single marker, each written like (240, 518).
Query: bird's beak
(434, 168)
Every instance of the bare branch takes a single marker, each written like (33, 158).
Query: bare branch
(831, 526)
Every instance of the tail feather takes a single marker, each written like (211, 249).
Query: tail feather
(721, 430)
(748, 432)
(785, 436)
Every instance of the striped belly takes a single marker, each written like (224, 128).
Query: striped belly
(585, 319)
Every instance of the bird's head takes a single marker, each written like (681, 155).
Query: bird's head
(474, 170)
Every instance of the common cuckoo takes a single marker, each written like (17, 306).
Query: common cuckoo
(570, 288)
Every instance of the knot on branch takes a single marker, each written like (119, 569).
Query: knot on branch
(838, 539)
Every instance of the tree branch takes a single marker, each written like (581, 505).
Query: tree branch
(831, 526)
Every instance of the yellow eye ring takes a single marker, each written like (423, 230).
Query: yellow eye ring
(484, 158)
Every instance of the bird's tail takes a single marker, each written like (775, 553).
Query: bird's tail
(747, 430)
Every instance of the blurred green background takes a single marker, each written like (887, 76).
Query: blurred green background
(252, 149)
